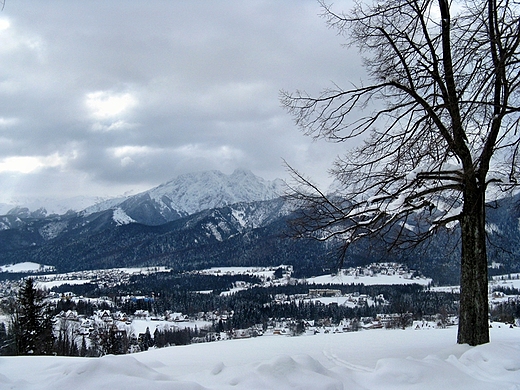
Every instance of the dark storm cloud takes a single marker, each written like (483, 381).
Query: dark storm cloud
(103, 96)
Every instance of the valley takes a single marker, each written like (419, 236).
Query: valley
(210, 256)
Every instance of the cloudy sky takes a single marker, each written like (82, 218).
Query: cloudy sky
(104, 97)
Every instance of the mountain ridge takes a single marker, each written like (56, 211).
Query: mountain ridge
(181, 196)
(191, 193)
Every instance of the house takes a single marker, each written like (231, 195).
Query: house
(141, 314)
(120, 316)
(178, 317)
(324, 292)
(104, 315)
(86, 327)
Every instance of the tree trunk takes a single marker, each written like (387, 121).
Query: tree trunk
(473, 310)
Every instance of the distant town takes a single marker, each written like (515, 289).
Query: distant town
(116, 322)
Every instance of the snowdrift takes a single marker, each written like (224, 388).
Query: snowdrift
(376, 359)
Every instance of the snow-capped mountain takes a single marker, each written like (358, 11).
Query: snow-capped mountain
(191, 193)
(42, 207)
(182, 196)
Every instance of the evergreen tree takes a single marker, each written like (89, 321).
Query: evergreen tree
(83, 351)
(4, 339)
(146, 341)
(31, 322)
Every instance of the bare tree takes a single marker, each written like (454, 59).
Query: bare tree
(440, 122)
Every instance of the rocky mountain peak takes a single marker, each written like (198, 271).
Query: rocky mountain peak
(194, 192)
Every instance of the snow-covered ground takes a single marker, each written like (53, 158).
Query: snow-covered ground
(367, 280)
(265, 274)
(57, 283)
(348, 276)
(508, 281)
(376, 359)
(497, 281)
(26, 267)
(261, 272)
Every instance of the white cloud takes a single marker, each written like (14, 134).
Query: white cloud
(128, 154)
(199, 151)
(5, 122)
(123, 151)
(28, 164)
(125, 161)
(118, 125)
(144, 94)
(15, 40)
(108, 105)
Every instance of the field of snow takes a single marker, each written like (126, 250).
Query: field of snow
(376, 359)
(26, 267)
(508, 281)
(57, 283)
(261, 272)
(342, 278)
(367, 280)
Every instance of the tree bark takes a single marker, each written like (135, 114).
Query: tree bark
(473, 310)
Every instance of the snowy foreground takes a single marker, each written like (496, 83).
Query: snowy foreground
(376, 359)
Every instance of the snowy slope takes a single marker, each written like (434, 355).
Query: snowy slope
(120, 217)
(367, 280)
(376, 359)
(191, 193)
(27, 267)
(206, 190)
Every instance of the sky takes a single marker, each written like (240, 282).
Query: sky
(103, 98)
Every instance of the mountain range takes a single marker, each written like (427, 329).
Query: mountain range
(191, 193)
(182, 196)
(212, 219)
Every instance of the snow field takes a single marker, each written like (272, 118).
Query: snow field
(27, 267)
(376, 359)
(366, 280)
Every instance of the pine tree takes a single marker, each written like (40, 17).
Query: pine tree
(147, 340)
(31, 322)
(83, 351)
(4, 340)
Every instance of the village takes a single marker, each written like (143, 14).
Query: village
(118, 324)
(144, 328)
